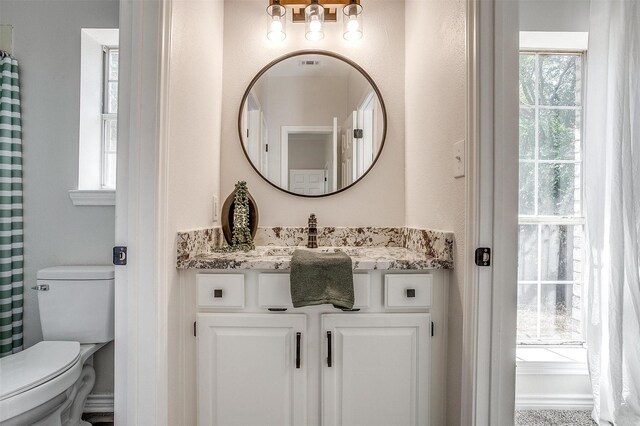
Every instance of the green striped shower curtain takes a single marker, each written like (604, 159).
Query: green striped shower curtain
(11, 246)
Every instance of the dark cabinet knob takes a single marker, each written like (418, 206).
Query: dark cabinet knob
(217, 293)
(411, 292)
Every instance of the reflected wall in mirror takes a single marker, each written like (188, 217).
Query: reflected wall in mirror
(312, 123)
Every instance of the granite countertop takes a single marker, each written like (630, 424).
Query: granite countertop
(274, 257)
(369, 248)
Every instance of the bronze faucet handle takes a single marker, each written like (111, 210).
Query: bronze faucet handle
(312, 241)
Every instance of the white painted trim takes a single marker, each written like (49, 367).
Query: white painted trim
(555, 402)
(489, 329)
(285, 131)
(554, 40)
(468, 402)
(89, 197)
(551, 368)
(141, 365)
(99, 403)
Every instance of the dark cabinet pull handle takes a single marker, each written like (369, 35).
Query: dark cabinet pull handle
(217, 293)
(411, 292)
(328, 349)
(298, 338)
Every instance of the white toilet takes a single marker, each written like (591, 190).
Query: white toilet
(48, 383)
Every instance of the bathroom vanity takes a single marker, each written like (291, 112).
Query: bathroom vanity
(259, 361)
(254, 359)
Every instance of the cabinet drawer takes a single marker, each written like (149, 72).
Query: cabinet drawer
(407, 291)
(220, 290)
(274, 291)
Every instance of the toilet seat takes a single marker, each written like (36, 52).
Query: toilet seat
(36, 375)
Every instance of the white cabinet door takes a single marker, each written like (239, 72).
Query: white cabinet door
(248, 370)
(376, 369)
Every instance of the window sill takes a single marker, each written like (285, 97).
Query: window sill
(93, 197)
(551, 360)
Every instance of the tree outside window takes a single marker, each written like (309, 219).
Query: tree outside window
(551, 222)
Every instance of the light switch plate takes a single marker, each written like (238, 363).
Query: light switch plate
(458, 159)
(216, 209)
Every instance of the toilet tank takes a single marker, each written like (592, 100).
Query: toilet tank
(77, 303)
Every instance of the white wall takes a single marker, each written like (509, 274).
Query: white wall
(195, 93)
(554, 15)
(46, 41)
(380, 53)
(435, 111)
(309, 151)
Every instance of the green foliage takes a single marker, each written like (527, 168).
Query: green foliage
(549, 131)
(241, 233)
(241, 236)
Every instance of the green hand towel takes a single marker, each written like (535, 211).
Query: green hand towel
(319, 278)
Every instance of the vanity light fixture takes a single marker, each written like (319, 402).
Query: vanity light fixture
(314, 18)
(277, 21)
(352, 21)
(314, 13)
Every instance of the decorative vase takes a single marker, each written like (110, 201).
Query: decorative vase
(228, 208)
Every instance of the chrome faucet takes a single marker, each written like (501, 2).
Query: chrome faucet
(312, 241)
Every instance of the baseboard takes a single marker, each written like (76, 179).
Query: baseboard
(554, 402)
(99, 403)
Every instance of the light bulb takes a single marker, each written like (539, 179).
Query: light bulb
(276, 25)
(315, 25)
(353, 24)
(352, 21)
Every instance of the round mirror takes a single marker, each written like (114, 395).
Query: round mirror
(312, 123)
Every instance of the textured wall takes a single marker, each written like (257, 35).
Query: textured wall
(380, 53)
(554, 15)
(193, 165)
(435, 108)
(46, 39)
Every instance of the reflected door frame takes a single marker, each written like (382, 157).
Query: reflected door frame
(285, 131)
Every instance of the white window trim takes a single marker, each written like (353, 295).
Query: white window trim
(89, 191)
(554, 40)
(93, 197)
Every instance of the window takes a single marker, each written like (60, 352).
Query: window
(109, 118)
(97, 142)
(551, 222)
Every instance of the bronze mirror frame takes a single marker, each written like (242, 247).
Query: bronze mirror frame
(332, 55)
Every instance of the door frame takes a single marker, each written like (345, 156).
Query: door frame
(141, 354)
(285, 131)
(490, 294)
(141, 364)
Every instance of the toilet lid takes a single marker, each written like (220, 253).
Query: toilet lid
(36, 365)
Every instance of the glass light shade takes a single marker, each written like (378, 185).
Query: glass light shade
(352, 21)
(314, 19)
(276, 23)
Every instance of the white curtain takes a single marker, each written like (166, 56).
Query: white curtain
(612, 197)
